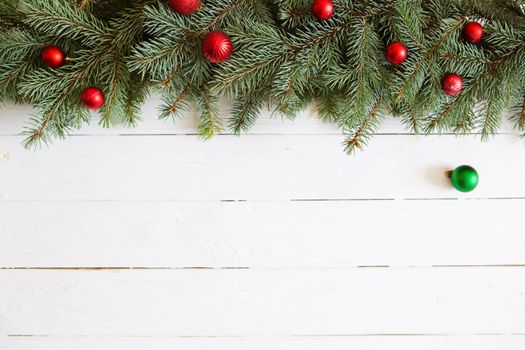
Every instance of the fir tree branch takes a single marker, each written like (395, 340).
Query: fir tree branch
(167, 83)
(522, 115)
(277, 57)
(363, 132)
(292, 84)
(210, 123)
(113, 105)
(426, 53)
(105, 60)
(490, 117)
(137, 93)
(412, 120)
(61, 19)
(38, 134)
(519, 113)
(483, 88)
(331, 106)
(245, 113)
(150, 55)
(177, 105)
(84, 4)
(221, 16)
(409, 13)
(20, 69)
(282, 57)
(462, 58)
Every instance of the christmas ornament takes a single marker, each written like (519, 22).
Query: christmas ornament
(93, 98)
(53, 57)
(217, 47)
(396, 53)
(323, 9)
(473, 32)
(464, 178)
(452, 84)
(281, 56)
(184, 7)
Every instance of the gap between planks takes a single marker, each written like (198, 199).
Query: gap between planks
(183, 134)
(175, 268)
(305, 336)
(263, 200)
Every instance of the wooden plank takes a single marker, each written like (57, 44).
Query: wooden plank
(261, 234)
(506, 342)
(14, 118)
(305, 302)
(256, 168)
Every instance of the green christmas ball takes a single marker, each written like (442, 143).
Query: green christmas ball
(464, 178)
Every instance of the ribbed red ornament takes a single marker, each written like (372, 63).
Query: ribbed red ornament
(452, 84)
(217, 47)
(53, 57)
(396, 52)
(93, 98)
(473, 32)
(184, 7)
(323, 9)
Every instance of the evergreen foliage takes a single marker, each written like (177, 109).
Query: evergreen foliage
(283, 58)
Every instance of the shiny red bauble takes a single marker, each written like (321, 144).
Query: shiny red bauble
(396, 53)
(323, 9)
(473, 32)
(452, 84)
(93, 98)
(53, 57)
(217, 47)
(184, 7)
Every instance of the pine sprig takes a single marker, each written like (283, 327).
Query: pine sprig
(176, 101)
(210, 122)
(59, 18)
(283, 58)
(361, 133)
(245, 113)
(518, 115)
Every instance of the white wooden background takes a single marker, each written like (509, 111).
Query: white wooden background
(152, 239)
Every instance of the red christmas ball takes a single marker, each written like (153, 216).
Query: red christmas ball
(217, 47)
(93, 98)
(473, 32)
(184, 7)
(53, 57)
(452, 84)
(323, 9)
(396, 53)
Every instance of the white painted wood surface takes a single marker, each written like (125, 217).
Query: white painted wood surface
(151, 238)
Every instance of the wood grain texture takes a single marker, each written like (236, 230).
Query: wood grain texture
(257, 168)
(263, 302)
(261, 234)
(13, 119)
(275, 240)
(486, 342)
